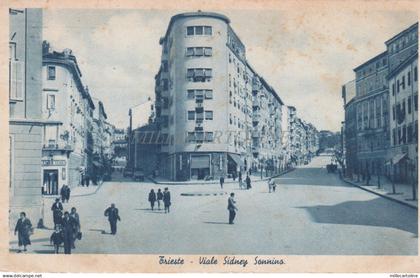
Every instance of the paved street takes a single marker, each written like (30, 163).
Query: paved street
(311, 213)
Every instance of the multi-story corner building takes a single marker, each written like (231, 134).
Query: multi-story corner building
(349, 133)
(25, 117)
(66, 147)
(211, 106)
(372, 106)
(402, 78)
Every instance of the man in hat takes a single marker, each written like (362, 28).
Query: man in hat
(57, 209)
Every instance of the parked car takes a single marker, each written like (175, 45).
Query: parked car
(127, 172)
(138, 174)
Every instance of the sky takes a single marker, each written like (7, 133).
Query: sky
(305, 57)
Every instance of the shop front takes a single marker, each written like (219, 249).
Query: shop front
(54, 174)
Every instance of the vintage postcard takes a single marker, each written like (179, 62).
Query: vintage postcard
(209, 136)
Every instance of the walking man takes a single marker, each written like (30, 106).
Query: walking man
(167, 199)
(68, 231)
(232, 208)
(159, 197)
(76, 223)
(152, 198)
(57, 209)
(222, 181)
(113, 217)
(248, 182)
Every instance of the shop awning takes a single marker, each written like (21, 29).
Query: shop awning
(397, 158)
(200, 161)
(236, 158)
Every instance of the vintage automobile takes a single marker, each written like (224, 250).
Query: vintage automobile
(138, 174)
(331, 168)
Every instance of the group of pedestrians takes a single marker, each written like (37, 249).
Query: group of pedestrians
(65, 193)
(66, 227)
(242, 184)
(164, 196)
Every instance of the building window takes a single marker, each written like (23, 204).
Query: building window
(199, 51)
(199, 74)
(393, 89)
(415, 102)
(199, 30)
(51, 73)
(191, 115)
(209, 94)
(393, 112)
(409, 105)
(410, 133)
(415, 74)
(208, 136)
(50, 102)
(190, 94)
(209, 115)
(16, 79)
(191, 137)
(403, 82)
(409, 78)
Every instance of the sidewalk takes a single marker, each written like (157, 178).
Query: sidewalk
(254, 178)
(403, 192)
(79, 191)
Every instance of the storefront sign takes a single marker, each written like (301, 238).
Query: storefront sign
(53, 162)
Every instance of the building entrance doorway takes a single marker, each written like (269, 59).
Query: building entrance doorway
(200, 167)
(50, 182)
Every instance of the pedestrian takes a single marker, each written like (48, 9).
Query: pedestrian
(113, 217)
(24, 230)
(222, 181)
(67, 193)
(167, 199)
(234, 176)
(76, 223)
(159, 197)
(232, 208)
(248, 182)
(152, 198)
(87, 181)
(270, 185)
(57, 209)
(240, 175)
(56, 239)
(63, 192)
(274, 185)
(68, 232)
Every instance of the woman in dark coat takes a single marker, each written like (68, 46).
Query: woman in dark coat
(167, 199)
(76, 223)
(56, 239)
(159, 197)
(23, 229)
(152, 198)
(68, 224)
(57, 209)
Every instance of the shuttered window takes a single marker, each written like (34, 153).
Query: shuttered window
(16, 86)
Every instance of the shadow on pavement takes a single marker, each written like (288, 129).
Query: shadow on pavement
(376, 212)
(44, 251)
(99, 230)
(218, 223)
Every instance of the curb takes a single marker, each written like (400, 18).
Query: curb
(216, 181)
(79, 195)
(381, 195)
(204, 194)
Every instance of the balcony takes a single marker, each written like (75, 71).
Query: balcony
(61, 146)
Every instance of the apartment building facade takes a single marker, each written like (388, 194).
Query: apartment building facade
(67, 146)
(403, 81)
(215, 115)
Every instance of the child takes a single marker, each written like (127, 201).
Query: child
(56, 239)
